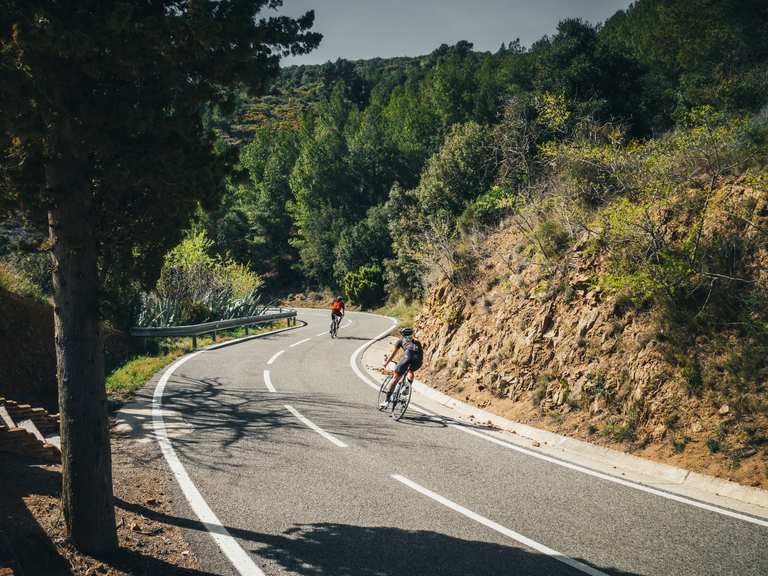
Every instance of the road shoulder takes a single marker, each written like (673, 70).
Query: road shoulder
(692, 485)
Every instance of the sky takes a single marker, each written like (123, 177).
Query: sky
(360, 29)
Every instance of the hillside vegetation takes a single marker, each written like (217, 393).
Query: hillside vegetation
(555, 342)
(583, 220)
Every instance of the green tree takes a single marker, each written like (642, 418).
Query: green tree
(412, 126)
(252, 223)
(365, 286)
(450, 85)
(696, 52)
(101, 106)
(322, 186)
(365, 242)
(459, 172)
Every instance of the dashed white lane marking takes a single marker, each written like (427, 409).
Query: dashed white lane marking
(275, 357)
(299, 342)
(268, 382)
(565, 464)
(323, 333)
(499, 528)
(239, 557)
(331, 438)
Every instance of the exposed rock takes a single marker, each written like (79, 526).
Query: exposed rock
(696, 427)
(615, 358)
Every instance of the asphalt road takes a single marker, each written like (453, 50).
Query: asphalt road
(311, 479)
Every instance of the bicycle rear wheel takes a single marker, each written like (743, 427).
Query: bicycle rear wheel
(383, 391)
(400, 405)
(333, 328)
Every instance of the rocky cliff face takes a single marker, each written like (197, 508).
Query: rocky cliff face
(539, 343)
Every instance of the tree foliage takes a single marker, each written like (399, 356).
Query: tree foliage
(420, 122)
(103, 141)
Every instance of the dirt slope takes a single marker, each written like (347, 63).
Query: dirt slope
(549, 349)
(27, 354)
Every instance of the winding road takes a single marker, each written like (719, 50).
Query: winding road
(288, 468)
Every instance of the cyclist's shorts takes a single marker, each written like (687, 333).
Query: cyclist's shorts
(406, 364)
(335, 313)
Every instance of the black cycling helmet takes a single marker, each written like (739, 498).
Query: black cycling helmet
(406, 332)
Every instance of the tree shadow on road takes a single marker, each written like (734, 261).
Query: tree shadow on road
(346, 550)
(336, 549)
(243, 424)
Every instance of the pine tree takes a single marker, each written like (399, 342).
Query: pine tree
(102, 140)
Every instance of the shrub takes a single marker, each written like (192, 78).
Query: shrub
(18, 282)
(489, 208)
(551, 237)
(619, 432)
(365, 286)
(692, 376)
(196, 287)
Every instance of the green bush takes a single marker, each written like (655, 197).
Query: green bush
(550, 237)
(365, 286)
(18, 282)
(694, 381)
(195, 287)
(619, 432)
(489, 208)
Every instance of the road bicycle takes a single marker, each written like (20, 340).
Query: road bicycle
(335, 321)
(401, 395)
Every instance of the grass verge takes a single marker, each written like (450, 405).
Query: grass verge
(404, 312)
(125, 380)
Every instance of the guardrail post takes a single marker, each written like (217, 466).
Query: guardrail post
(214, 335)
(194, 342)
(246, 329)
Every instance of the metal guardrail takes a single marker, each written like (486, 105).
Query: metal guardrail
(196, 330)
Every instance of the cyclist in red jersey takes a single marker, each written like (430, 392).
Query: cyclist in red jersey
(337, 310)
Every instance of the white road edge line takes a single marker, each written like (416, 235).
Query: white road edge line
(554, 554)
(559, 462)
(239, 558)
(275, 357)
(268, 382)
(614, 479)
(356, 353)
(299, 342)
(316, 428)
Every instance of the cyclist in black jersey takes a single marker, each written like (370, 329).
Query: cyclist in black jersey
(409, 363)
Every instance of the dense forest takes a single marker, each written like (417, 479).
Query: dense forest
(351, 175)
(374, 153)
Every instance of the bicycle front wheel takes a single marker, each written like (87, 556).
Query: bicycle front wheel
(383, 391)
(400, 405)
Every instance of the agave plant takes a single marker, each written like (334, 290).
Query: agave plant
(195, 288)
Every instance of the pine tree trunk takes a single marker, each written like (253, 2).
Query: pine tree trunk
(85, 451)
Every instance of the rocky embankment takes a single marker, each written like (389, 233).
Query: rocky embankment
(539, 343)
